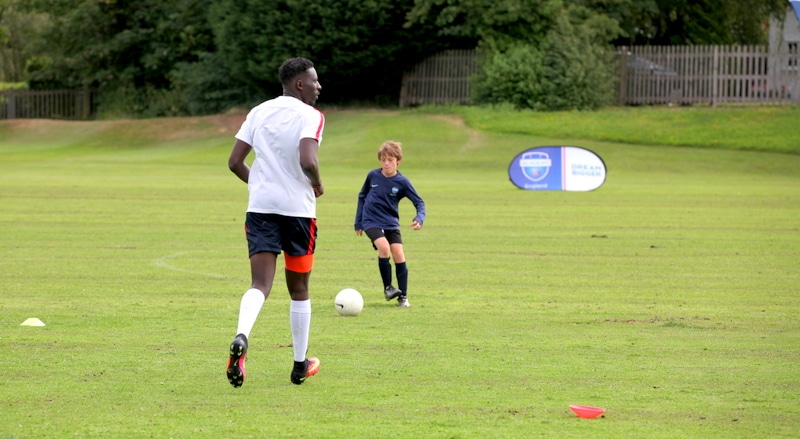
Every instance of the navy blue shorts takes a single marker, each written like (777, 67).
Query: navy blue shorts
(393, 236)
(267, 232)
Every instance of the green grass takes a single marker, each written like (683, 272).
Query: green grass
(745, 128)
(668, 296)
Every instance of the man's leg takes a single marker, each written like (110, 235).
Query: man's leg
(300, 320)
(262, 269)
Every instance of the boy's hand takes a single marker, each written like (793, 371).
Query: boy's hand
(416, 225)
(359, 232)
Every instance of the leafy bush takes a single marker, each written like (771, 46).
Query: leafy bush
(143, 102)
(360, 49)
(13, 86)
(580, 74)
(206, 87)
(515, 77)
(569, 68)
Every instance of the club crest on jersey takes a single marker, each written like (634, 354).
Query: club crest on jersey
(395, 190)
(535, 165)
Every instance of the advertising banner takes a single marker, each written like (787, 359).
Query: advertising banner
(557, 168)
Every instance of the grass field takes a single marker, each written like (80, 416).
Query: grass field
(669, 296)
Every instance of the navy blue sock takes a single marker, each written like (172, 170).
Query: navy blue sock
(386, 271)
(402, 277)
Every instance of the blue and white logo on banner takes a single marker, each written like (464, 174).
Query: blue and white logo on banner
(557, 168)
(535, 165)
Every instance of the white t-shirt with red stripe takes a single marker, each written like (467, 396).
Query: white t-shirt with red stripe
(277, 184)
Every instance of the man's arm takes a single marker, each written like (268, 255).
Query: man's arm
(310, 165)
(236, 160)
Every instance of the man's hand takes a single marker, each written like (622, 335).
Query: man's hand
(318, 190)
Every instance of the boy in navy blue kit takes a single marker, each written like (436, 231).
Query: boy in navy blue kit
(378, 216)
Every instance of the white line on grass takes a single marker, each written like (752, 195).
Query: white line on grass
(163, 262)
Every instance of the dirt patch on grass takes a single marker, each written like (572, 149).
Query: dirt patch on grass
(474, 137)
(172, 128)
(229, 123)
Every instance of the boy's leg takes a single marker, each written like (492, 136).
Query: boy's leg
(381, 244)
(402, 277)
(402, 282)
(389, 291)
(385, 269)
(384, 253)
(401, 270)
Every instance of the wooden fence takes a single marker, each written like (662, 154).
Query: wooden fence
(440, 79)
(647, 75)
(47, 104)
(706, 74)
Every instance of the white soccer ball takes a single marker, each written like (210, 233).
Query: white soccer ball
(349, 302)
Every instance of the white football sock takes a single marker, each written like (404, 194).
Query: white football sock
(252, 301)
(300, 319)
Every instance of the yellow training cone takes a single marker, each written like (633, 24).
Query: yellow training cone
(33, 321)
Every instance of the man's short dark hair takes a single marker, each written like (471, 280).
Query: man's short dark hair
(293, 67)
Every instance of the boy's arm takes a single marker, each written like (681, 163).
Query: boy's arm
(419, 204)
(362, 195)
(420, 217)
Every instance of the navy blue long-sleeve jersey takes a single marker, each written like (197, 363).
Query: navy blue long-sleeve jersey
(379, 199)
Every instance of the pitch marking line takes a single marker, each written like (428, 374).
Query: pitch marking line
(164, 262)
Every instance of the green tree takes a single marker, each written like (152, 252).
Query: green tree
(125, 48)
(540, 54)
(501, 24)
(154, 57)
(151, 57)
(206, 85)
(514, 76)
(360, 48)
(680, 22)
(579, 71)
(19, 30)
(636, 18)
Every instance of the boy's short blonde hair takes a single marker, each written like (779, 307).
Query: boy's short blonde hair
(391, 149)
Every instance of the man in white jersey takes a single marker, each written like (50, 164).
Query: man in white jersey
(284, 182)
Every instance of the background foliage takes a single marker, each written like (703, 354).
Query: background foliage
(677, 22)
(538, 54)
(18, 32)
(155, 58)
(361, 48)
